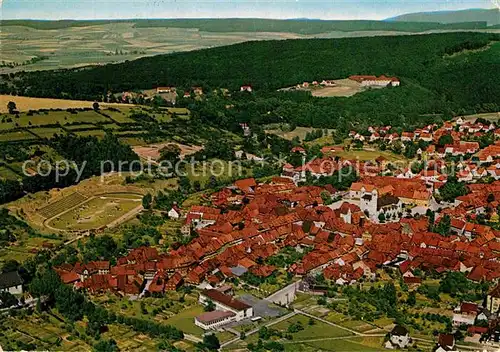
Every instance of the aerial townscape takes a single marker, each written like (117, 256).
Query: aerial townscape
(250, 185)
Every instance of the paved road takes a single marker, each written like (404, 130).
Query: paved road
(192, 338)
(285, 296)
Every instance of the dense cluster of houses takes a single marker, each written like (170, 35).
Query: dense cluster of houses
(343, 241)
(379, 221)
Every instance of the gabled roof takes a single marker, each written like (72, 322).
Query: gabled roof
(226, 300)
(11, 279)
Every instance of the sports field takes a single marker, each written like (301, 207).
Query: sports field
(96, 212)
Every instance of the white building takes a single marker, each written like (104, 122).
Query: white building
(399, 338)
(226, 303)
(174, 213)
(214, 320)
(374, 205)
(12, 283)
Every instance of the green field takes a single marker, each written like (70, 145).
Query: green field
(51, 118)
(184, 320)
(16, 136)
(366, 155)
(84, 126)
(7, 173)
(47, 132)
(371, 344)
(297, 132)
(93, 133)
(315, 331)
(95, 213)
(129, 340)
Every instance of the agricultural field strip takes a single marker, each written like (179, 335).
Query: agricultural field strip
(62, 206)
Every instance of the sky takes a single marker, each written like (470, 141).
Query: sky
(279, 9)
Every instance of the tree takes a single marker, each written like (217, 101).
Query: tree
(412, 299)
(105, 346)
(147, 200)
(212, 182)
(445, 139)
(209, 306)
(327, 198)
(211, 342)
(95, 106)
(171, 153)
(11, 106)
(389, 293)
(491, 198)
(452, 189)
(10, 265)
(45, 284)
(443, 228)
(381, 217)
(197, 186)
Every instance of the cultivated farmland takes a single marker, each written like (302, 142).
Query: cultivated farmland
(62, 205)
(28, 103)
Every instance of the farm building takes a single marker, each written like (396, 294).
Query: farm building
(374, 81)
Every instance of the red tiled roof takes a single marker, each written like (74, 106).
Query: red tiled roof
(226, 300)
(209, 317)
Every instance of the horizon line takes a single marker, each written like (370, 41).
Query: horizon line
(239, 18)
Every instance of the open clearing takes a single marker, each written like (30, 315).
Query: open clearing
(366, 155)
(152, 151)
(342, 88)
(297, 132)
(315, 331)
(95, 213)
(492, 116)
(28, 103)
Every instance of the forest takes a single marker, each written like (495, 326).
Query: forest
(442, 75)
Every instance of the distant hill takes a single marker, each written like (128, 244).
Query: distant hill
(492, 16)
(248, 25)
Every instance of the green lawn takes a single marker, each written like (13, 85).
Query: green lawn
(368, 344)
(184, 320)
(318, 330)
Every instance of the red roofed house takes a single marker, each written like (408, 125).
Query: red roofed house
(465, 314)
(246, 185)
(226, 303)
